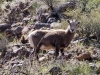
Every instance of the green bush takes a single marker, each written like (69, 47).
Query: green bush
(90, 21)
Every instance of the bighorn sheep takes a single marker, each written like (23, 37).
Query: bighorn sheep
(55, 39)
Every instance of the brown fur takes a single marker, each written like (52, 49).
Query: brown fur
(37, 35)
(52, 39)
(57, 40)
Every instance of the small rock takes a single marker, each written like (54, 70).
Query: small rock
(40, 74)
(44, 58)
(15, 49)
(26, 19)
(55, 71)
(98, 70)
(17, 24)
(16, 65)
(51, 52)
(67, 56)
(4, 26)
(0, 65)
(94, 52)
(95, 57)
(84, 56)
(93, 66)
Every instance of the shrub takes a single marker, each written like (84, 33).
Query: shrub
(3, 41)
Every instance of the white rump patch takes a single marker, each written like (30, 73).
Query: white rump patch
(30, 38)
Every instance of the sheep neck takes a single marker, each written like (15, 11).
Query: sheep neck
(68, 37)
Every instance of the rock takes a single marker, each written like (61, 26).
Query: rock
(18, 29)
(55, 71)
(55, 24)
(15, 49)
(62, 7)
(15, 65)
(40, 74)
(95, 57)
(51, 52)
(41, 25)
(77, 41)
(51, 20)
(98, 70)
(67, 56)
(84, 56)
(9, 34)
(44, 58)
(2, 52)
(17, 24)
(92, 65)
(8, 55)
(94, 52)
(22, 51)
(0, 65)
(25, 30)
(26, 19)
(4, 26)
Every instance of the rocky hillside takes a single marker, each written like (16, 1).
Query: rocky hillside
(18, 18)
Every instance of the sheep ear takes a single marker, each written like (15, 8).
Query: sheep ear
(68, 21)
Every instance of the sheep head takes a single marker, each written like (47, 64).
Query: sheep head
(73, 25)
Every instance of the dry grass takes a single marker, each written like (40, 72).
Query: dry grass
(3, 41)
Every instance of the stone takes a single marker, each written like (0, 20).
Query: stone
(55, 71)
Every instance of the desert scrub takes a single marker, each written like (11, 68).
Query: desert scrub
(33, 8)
(70, 67)
(89, 18)
(76, 68)
(3, 41)
(90, 25)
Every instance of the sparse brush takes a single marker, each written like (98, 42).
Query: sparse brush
(3, 41)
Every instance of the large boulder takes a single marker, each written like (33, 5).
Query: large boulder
(4, 26)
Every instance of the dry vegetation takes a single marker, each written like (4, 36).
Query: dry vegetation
(89, 30)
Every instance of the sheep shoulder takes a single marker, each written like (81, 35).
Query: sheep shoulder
(55, 34)
(52, 37)
(60, 37)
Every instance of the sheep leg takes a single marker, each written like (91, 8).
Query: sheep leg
(62, 55)
(62, 52)
(57, 51)
(37, 50)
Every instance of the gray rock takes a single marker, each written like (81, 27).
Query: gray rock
(55, 71)
(51, 52)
